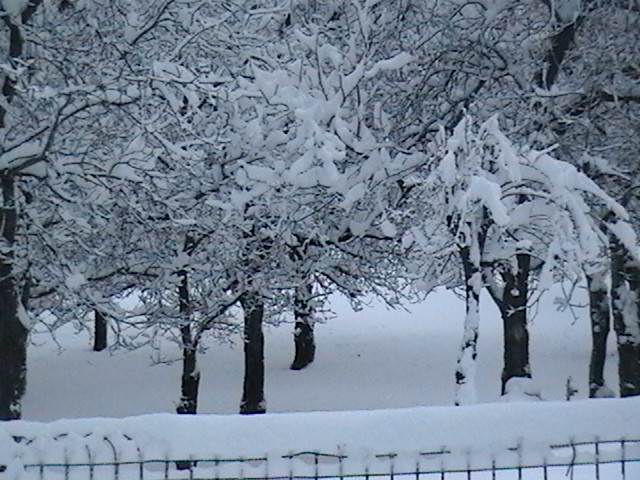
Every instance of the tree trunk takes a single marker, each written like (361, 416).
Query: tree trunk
(560, 44)
(471, 256)
(304, 341)
(253, 401)
(513, 309)
(465, 368)
(99, 331)
(600, 314)
(13, 332)
(190, 380)
(625, 295)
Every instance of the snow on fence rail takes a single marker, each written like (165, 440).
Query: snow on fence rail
(580, 440)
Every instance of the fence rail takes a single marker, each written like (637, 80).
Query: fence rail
(95, 458)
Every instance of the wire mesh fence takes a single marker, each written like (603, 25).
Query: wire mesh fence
(101, 457)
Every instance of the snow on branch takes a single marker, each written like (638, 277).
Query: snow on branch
(535, 202)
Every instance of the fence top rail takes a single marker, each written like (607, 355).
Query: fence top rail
(316, 454)
(596, 441)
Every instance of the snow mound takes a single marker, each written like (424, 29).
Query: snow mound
(521, 389)
(604, 392)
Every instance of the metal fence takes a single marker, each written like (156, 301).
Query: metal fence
(105, 458)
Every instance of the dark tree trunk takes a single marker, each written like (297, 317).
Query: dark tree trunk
(13, 333)
(560, 44)
(513, 308)
(304, 341)
(629, 349)
(253, 401)
(99, 331)
(628, 354)
(600, 313)
(190, 374)
(190, 380)
(625, 298)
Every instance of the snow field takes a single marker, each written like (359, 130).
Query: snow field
(372, 359)
(382, 383)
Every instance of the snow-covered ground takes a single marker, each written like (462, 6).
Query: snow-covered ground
(392, 363)
(398, 440)
(372, 359)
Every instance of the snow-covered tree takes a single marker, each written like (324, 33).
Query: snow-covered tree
(506, 205)
(558, 72)
(315, 177)
(109, 161)
(60, 77)
(592, 110)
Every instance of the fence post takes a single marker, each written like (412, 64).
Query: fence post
(67, 467)
(140, 461)
(166, 466)
(597, 446)
(266, 466)
(391, 457)
(392, 467)
(90, 458)
(519, 448)
(622, 463)
(574, 454)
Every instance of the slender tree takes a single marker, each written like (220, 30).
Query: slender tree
(625, 289)
(470, 256)
(600, 315)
